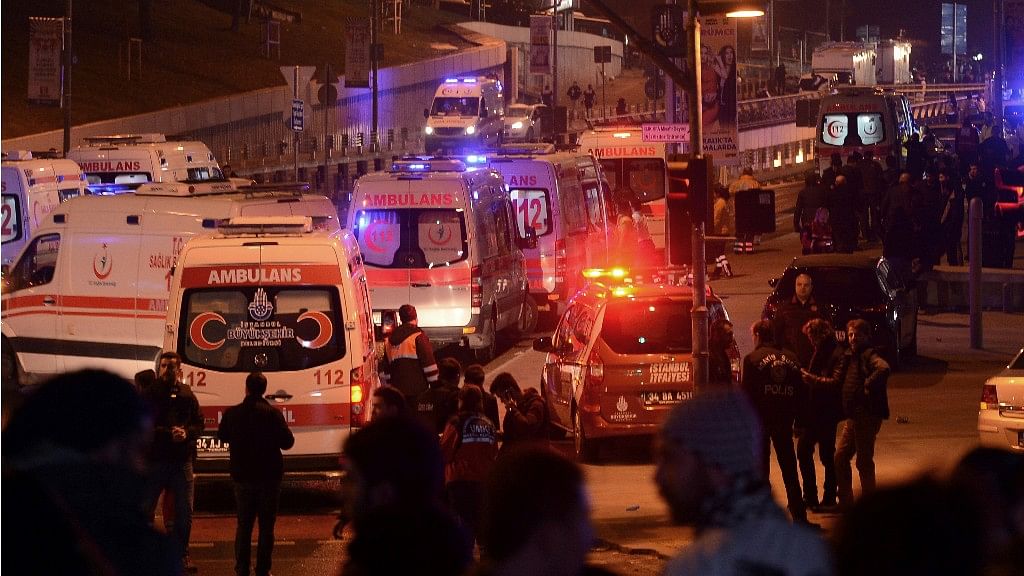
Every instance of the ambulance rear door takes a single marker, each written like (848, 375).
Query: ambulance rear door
(532, 192)
(378, 228)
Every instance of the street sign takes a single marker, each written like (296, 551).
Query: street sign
(663, 132)
(602, 54)
(298, 109)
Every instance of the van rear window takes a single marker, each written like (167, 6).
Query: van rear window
(266, 328)
(411, 238)
(651, 326)
(639, 178)
(119, 177)
(852, 129)
(533, 210)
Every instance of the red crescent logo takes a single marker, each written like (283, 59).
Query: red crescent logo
(326, 330)
(101, 264)
(195, 331)
(835, 129)
(444, 234)
(371, 234)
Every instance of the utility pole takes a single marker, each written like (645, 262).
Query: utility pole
(68, 62)
(374, 66)
(295, 134)
(554, 56)
(998, 45)
(954, 43)
(699, 313)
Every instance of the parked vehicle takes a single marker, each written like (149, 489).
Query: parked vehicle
(849, 286)
(621, 356)
(1000, 422)
(524, 123)
(466, 114)
(274, 295)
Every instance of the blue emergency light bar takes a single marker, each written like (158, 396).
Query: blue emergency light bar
(110, 189)
(451, 80)
(476, 159)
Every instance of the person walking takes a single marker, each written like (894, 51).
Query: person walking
(709, 473)
(440, 401)
(898, 228)
(873, 178)
(177, 423)
(475, 376)
(789, 321)
(724, 224)
(771, 377)
(589, 97)
(744, 242)
(952, 219)
(409, 357)
(864, 376)
(810, 202)
(525, 421)
(842, 215)
(546, 95)
(720, 342)
(828, 175)
(256, 433)
(469, 446)
(820, 414)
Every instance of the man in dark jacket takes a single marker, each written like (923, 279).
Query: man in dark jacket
(865, 405)
(525, 413)
(842, 203)
(409, 357)
(789, 321)
(820, 414)
(873, 177)
(440, 402)
(828, 175)
(809, 200)
(256, 433)
(177, 423)
(475, 376)
(771, 377)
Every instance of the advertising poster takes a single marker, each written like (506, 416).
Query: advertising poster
(357, 54)
(1014, 28)
(45, 43)
(759, 33)
(718, 89)
(540, 44)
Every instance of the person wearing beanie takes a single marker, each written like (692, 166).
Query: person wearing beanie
(709, 473)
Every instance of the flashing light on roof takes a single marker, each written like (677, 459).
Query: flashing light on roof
(417, 166)
(470, 129)
(616, 272)
(451, 80)
(476, 159)
(621, 291)
(621, 135)
(469, 80)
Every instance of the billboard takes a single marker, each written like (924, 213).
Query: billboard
(357, 54)
(718, 89)
(954, 28)
(45, 45)
(540, 44)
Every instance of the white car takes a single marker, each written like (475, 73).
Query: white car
(523, 122)
(1001, 418)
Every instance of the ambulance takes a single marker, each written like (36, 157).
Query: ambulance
(90, 289)
(465, 113)
(115, 162)
(857, 119)
(271, 294)
(442, 236)
(32, 187)
(548, 190)
(636, 171)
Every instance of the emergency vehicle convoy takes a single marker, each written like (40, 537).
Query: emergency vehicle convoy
(636, 171)
(561, 197)
(32, 188)
(441, 236)
(133, 159)
(274, 295)
(619, 360)
(858, 119)
(91, 286)
(466, 113)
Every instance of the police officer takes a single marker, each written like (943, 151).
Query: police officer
(771, 377)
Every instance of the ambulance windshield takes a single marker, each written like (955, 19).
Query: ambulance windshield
(411, 238)
(647, 326)
(639, 178)
(266, 328)
(451, 106)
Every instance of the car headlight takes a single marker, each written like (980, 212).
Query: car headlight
(471, 130)
(428, 130)
(517, 125)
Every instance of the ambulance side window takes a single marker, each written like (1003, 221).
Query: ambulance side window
(487, 235)
(572, 198)
(503, 227)
(38, 263)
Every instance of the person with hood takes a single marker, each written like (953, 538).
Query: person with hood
(525, 420)
(409, 357)
(708, 471)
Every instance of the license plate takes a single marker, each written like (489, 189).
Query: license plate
(211, 445)
(665, 397)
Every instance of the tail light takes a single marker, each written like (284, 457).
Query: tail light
(476, 289)
(357, 395)
(590, 399)
(560, 261)
(989, 398)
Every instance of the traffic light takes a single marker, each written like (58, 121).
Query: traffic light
(689, 186)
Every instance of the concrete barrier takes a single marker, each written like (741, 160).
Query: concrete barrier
(945, 287)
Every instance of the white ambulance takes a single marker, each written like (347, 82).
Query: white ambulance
(466, 113)
(90, 288)
(114, 163)
(636, 171)
(32, 187)
(270, 294)
(561, 197)
(440, 236)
